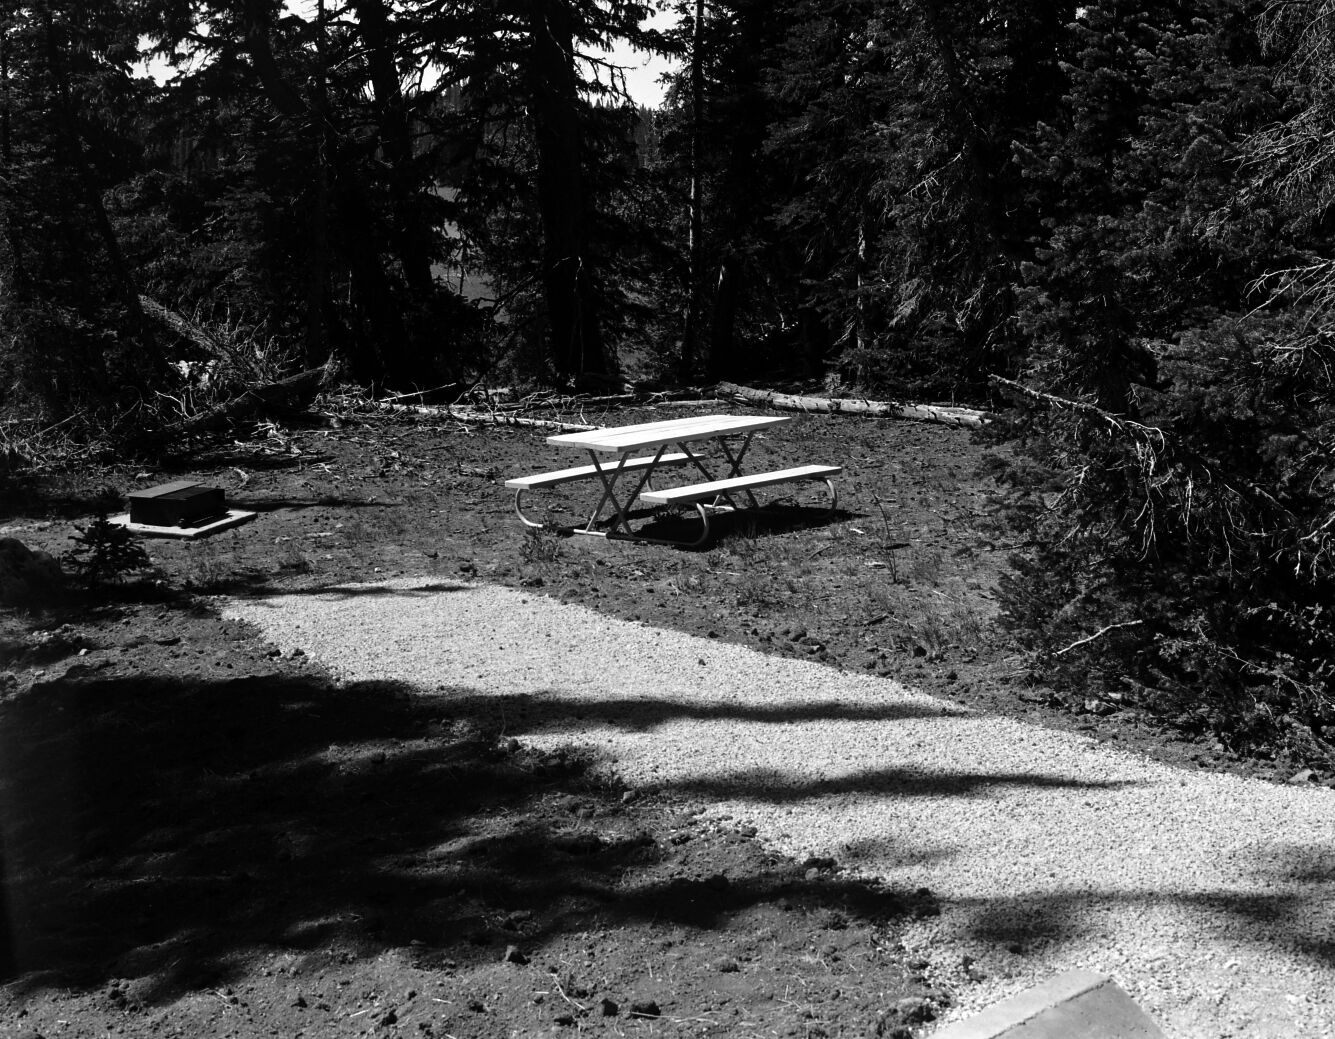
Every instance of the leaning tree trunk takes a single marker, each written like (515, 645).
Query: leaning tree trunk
(296, 391)
(183, 327)
(569, 278)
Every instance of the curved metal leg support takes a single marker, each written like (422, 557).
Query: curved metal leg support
(834, 496)
(519, 511)
(704, 526)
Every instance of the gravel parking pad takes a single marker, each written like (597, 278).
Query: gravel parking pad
(1206, 896)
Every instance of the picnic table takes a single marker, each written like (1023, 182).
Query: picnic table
(642, 452)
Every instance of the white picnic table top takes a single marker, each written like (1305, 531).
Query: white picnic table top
(621, 439)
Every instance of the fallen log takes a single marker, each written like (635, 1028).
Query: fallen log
(470, 415)
(944, 415)
(296, 391)
(556, 400)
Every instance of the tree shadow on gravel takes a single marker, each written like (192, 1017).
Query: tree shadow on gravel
(256, 583)
(1282, 920)
(169, 830)
(352, 591)
(523, 712)
(775, 787)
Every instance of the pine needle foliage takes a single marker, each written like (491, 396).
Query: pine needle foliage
(1183, 561)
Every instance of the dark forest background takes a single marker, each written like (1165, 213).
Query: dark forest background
(1122, 207)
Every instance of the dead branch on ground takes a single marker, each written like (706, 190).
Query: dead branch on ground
(1081, 407)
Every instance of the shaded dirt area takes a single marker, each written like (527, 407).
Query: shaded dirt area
(200, 836)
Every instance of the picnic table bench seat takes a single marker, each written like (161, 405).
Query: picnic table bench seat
(698, 492)
(709, 496)
(520, 484)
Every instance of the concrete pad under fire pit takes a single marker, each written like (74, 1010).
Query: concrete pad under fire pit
(1078, 1004)
(233, 518)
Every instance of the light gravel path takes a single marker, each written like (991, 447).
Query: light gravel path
(1208, 897)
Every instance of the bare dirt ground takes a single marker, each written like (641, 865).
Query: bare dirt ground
(199, 836)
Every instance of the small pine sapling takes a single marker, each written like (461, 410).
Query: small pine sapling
(105, 552)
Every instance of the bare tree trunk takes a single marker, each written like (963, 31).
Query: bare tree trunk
(569, 277)
(20, 276)
(72, 142)
(8, 952)
(383, 356)
(690, 342)
(859, 280)
(721, 360)
(370, 290)
(815, 335)
(280, 92)
(410, 231)
(317, 291)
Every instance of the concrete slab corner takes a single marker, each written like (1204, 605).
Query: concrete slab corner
(234, 518)
(1078, 1004)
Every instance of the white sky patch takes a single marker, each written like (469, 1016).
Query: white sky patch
(643, 70)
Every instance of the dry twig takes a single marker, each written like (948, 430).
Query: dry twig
(1097, 635)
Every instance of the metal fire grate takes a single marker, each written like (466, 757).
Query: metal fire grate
(179, 504)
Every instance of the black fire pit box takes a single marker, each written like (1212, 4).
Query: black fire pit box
(179, 504)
